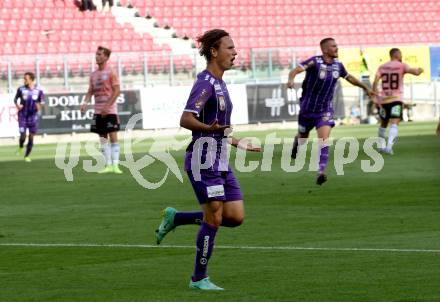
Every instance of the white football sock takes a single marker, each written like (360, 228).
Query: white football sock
(105, 149)
(115, 154)
(392, 136)
(381, 132)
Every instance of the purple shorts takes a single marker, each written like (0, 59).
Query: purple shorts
(216, 186)
(30, 123)
(308, 120)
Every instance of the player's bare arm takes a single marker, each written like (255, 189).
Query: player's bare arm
(354, 81)
(415, 71)
(17, 105)
(87, 99)
(243, 143)
(376, 89)
(189, 121)
(292, 75)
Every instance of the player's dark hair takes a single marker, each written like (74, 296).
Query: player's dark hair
(210, 39)
(324, 41)
(393, 51)
(105, 50)
(31, 75)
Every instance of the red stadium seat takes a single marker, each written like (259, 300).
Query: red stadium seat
(60, 26)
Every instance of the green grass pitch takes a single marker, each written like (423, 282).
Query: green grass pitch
(359, 237)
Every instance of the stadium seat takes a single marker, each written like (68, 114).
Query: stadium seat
(252, 23)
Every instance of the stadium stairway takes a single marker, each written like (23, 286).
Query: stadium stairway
(161, 36)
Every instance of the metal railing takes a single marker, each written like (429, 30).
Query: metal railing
(70, 72)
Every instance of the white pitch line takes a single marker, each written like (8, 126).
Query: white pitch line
(227, 247)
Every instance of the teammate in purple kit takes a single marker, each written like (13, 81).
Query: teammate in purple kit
(28, 100)
(316, 102)
(208, 114)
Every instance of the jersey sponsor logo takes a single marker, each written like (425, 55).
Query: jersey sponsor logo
(390, 68)
(218, 89)
(215, 191)
(221, 102)
(322, 72)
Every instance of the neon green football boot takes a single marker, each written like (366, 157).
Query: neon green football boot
(167, 224)
(204, 284)
(116, 169)
(107, 169)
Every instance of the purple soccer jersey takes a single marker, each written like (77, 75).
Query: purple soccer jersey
(27, 116)
(206, 160)
(209, 100)
(319, 84)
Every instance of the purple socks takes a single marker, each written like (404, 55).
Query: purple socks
(182, 218)
(323, 158)
(205, 246)
(29, 146)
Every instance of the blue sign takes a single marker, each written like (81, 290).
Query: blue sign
(434, 53)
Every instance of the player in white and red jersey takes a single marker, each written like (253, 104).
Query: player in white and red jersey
(391, 95)
(104, 86)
